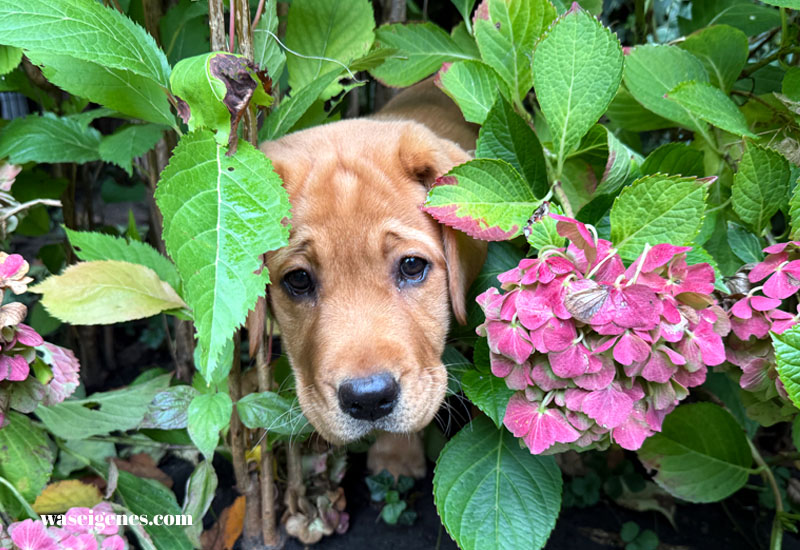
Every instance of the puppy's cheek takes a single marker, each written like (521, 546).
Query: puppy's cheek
(428, 398)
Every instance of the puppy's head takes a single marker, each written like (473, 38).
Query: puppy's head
(362, 292)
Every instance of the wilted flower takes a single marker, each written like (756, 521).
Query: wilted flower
(13, 271)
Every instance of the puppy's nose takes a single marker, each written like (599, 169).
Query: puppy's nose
(369, 398)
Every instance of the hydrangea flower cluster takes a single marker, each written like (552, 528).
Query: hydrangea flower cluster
(34, 535)
(18, 350)
(599, 352)
(756, 313)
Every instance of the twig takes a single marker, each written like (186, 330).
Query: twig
(25, 205)
(216, 23)
(776, 537)
(269, 515)
(257, 18)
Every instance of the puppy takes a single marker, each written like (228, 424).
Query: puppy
(362, 293)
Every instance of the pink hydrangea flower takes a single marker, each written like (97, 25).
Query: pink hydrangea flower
(31, 535)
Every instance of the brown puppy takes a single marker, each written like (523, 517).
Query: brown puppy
(362, 291)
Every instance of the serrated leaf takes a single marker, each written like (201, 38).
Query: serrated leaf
(485, 198)
(105, 292)
(676, 159)
(422, 48)
(275, 413)
(747, 246)
(657, 209)
(760, 186)
(506, 136)
(794, 212)
(220, 215)
(9, 58)
(543, 232)
(101, 413)
(184, 30)
(627, 113)
(48, 138)
(100, 246)
(651, 71)
(117, 89)
(488, 392)
(577, 68)
(208, 414)
(26, 459)
(723, 50)
(339, 30)
(60, 496)
(473, 85)
(129, 142)
(169, 409)
(199, 493)
(787, 354)
(493, 495)
(710, 104)
(268, 54)
(701, 453)
(292, 108)
(507, 38)
(83, 30)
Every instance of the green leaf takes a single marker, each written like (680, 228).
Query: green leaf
(543, 231)
(268, 54)
(760, 186)
(422, 48)
(48, 138)
(790, 86)
(474, 87)
(485, 198)
(747, 246)
(791, 4)
(787, 353)
(652, 71)
(488, 392)
(723, 50)
(144, 497)
(105, 292)
(617, 166)
(577, 68)
(492, 494)
(91, 246)
(129, 142)
(275, 413)
(26, 459)
(657, 209)
(464, 7)
(101, 413)
(9, 58)
(708, 103)
(199, 493)
(184, 30)
(83, 30)
(506, 136)
(339, 30)
(675, 159)
(701, 454)
(169, 409)
(507, 38)
(794, 212)
(291, 109)
(627, 113)
(208, 414)
(745, 15)
(117, 89)
(221, 214)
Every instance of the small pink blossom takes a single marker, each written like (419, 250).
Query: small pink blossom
(31, 535)
(785, 281)
(539, 429)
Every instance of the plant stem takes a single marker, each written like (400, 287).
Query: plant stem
(216, 23)
(269, 515)
(776, 537)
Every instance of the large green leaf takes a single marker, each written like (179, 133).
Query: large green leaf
(577, 68)
(627, 113)
(106, 292)
(701, 454)
(485, 198)
(674, 158)
(505, 136)
(101, 413)
(85, 30)
(117, 89)
(275, 413)
(208, 414)
(292, 108)
(48, 138)
(422, 48)
(652, 71)
(129, 142)
(9, 58)
(723, 50)
(760, 186)
(26, 459)
(492, 494)
(657, 209)
(488, 392)
(474, 86)
(747, 246)
(749, 17)
(506, 34)
(787, 353)
(100, 246)
(268, 54)
(221, 213)
(339, 30)
(712, 105)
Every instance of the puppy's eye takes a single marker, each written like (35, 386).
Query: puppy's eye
(298, 282)
(413, 269)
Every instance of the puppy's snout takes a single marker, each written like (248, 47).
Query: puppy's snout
(369, 398)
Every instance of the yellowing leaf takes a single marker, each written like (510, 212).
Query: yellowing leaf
(105, 292)
(60, 496)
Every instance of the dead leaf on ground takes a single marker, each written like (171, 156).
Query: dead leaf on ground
(228, 528)
(60, 496)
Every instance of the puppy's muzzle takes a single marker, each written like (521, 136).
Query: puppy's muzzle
(369, 398)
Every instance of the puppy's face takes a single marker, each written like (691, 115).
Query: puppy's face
(361, 291)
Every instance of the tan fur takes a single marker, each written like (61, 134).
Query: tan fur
(356, 188)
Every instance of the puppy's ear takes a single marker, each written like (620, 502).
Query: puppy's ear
(425, 157)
